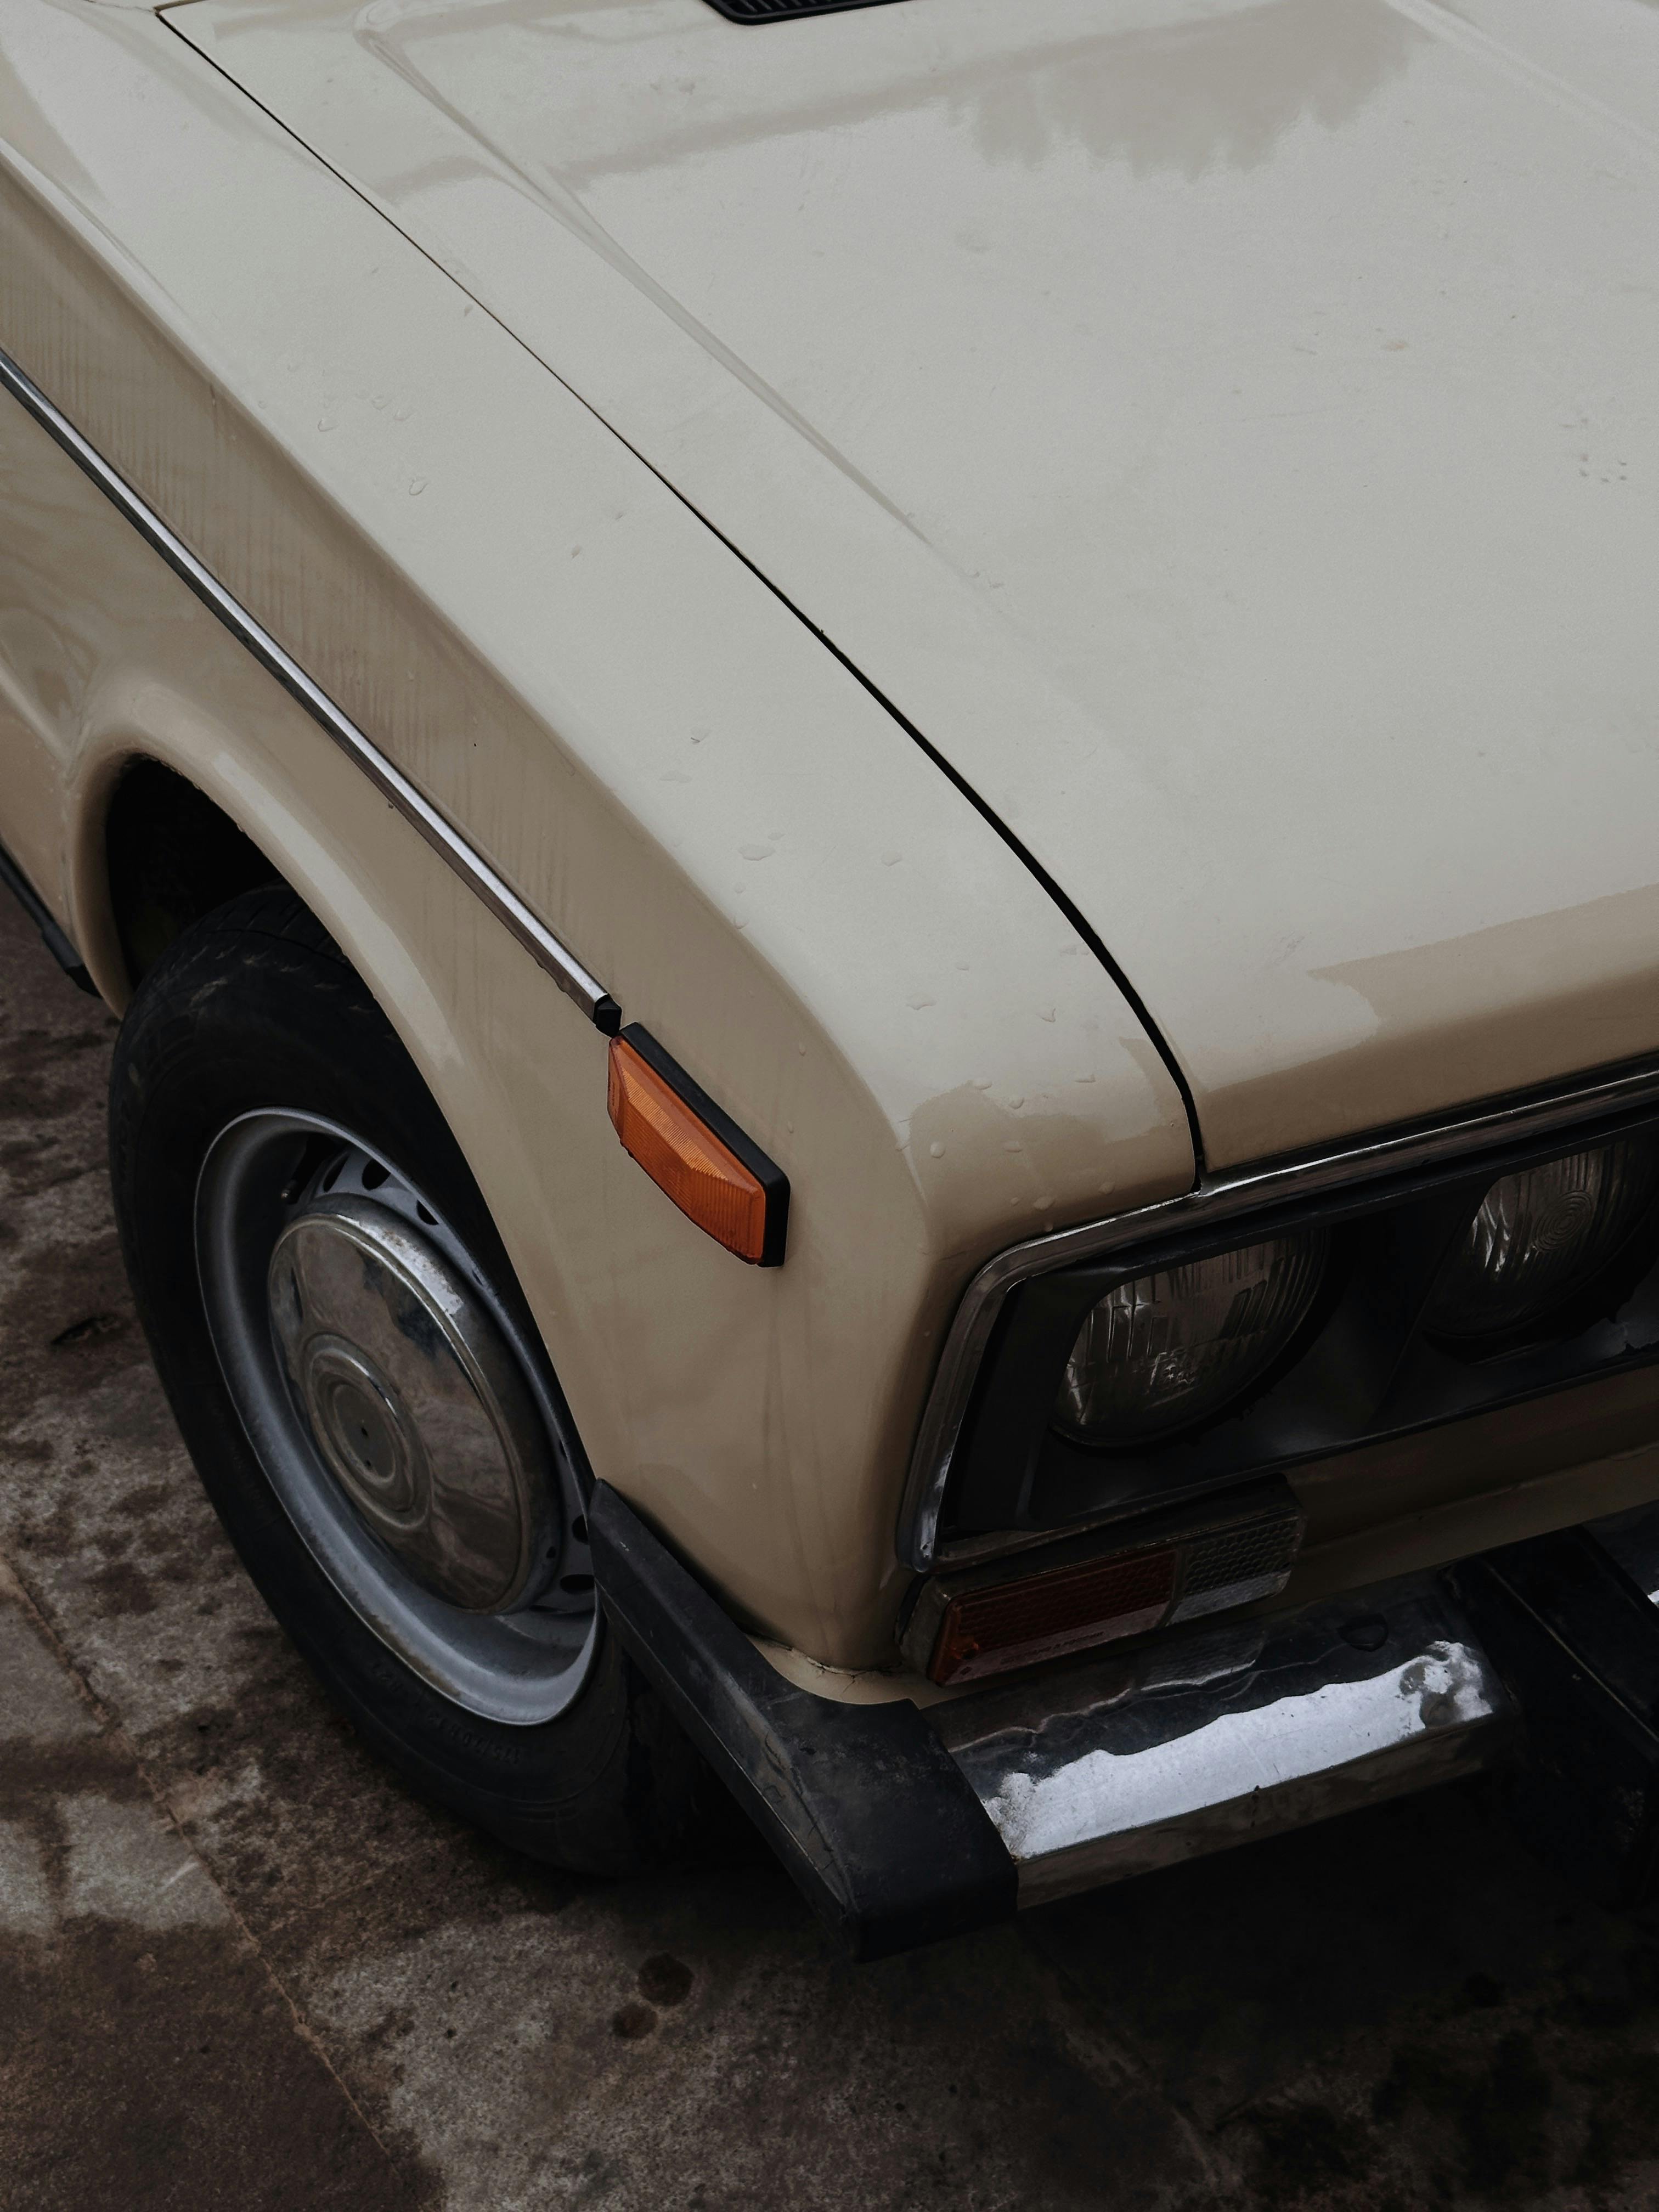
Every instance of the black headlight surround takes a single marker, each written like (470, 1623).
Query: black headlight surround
(1362, 1369)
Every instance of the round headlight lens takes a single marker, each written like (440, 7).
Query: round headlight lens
(1173, 1347)
(1540, 1239)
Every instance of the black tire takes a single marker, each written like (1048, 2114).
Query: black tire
(254, 1006)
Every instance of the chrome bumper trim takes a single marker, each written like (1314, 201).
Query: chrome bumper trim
(1215, 1737)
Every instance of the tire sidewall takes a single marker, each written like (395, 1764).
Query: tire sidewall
(254, 1008)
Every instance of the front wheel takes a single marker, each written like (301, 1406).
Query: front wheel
(365, 1396)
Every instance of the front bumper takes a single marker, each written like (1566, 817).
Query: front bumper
(903, 1826)
(1212, 1737)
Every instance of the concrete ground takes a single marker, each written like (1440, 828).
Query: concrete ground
(241, 1967)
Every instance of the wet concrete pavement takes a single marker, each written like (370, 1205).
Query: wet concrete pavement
(241, 1966)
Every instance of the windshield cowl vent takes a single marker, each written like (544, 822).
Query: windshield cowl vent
(779, 11)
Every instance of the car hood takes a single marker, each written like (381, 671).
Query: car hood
(1224, 432)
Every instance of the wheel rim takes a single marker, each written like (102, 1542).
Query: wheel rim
(414, 1437)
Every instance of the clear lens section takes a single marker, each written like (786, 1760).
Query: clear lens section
(1174, 1347)
(1540, 1239)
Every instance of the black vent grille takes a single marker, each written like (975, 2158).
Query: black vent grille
(777, 11)
(1261, 1551)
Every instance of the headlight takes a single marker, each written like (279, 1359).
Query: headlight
(1540, 1239)
(1171, 1348)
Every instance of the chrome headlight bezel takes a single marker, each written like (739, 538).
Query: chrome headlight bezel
(990, 1470)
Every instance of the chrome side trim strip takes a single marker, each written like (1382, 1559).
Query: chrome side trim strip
(503, 901)
(1211, 1739)
(1237, 1193)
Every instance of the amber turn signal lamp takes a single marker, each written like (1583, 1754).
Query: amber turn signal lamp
(695, 1153)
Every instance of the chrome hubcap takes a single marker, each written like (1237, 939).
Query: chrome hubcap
(415, 1403)
(415, 1439)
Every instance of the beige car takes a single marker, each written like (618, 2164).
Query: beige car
(874, 793)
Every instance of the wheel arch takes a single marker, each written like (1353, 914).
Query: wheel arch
(168, 854)
(193, 786)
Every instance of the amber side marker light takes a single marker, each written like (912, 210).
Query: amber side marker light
(697, 1154)
(1148, 1573)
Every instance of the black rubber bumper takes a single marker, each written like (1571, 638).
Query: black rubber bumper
(886, 1835)
(867, 1810)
